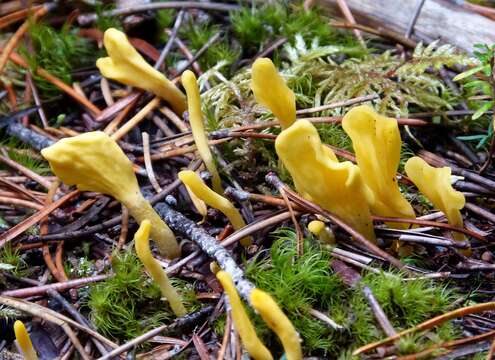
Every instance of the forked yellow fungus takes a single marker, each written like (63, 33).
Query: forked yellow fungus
(271, 91)
(94, 162)
(435, 184)
(319, 177)
(211, 198)
(124, 64)
(24, 341)
(243, 325)
(278, 322)
(319, 229)
(142, 244)
(377, 143)
(198, 130)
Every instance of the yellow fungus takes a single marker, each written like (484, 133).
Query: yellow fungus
(94, 162)
(198, 130)
(24, 341)
(124, 64)
(376, 142)
(203, 192)
(319, 177)
(142, 244)
(435, 184)
(271, 91)
(278, 322)
(243, 325)
(318, 229)
(197, 202)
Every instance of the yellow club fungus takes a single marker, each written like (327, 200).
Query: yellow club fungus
(94, 162)
(278, 322)
(271, 91)
(198, 130)
(24, 341)
(243, 325)
(124, 64)
(203, 192)
(319, 177)
(435, 184)
(142, 244)
(376, 142)
(319, 229)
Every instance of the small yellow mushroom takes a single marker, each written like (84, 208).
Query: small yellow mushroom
(271, 91)
(127, 66)
(243, 325)
(319, 177)
(198, 130)
(94, 162)
(278, 322)
(24, 341)
(318, 229)
(376, 142)
(435, 184)
(142, 244)
(203, 192)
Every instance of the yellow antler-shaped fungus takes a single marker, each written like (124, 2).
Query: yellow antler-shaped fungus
(203, 192)
(198, 130)
(243, 325)
(435, 184)
(319, 177)
(376, 142)
(127, 66)
(278, 322)
(142, 244)
(94, 162)
(271, 91)
(24, 341)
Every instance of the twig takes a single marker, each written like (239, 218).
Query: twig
(356, 100)
(348, 16)
(86, 19)
(170, 41)
(200, 52)
(136, 119)
(414, 18)
(147, 162)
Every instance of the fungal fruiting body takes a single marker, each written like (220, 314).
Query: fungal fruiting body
(319, 177)
(318, 229)
(254, 346)
(94, 162)
(203, 192)
(24, 341)
(435, 184)
(276, 320)
(198, 130)
(377, 143)
(124, 64)
(271, 91)
(142, 244)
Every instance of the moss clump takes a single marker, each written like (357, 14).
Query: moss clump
(57, 51)
(299, 284)
(128, 304)
(12, 260)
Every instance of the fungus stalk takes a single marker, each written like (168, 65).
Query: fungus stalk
(94, 162)
(243, 325)
(124, 64)
(276, 320)
(142, 244)
(377, 143)
(211, 198)
(435, 184)
(271, 91)
(198, 130)
(24, 341)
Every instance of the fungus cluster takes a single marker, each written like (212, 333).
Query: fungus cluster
(352, 192)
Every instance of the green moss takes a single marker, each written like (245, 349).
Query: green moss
(57, 51)
(104, 22)
(299, 284)
(13, 258)
(22, 154)
(128, 304)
